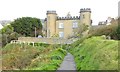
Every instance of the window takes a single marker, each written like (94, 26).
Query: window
(61, 34)
(75, 24)
(61, 25)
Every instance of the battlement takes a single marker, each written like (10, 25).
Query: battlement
(51, 12)
(69, 18)
(85, 10)
(59, 25)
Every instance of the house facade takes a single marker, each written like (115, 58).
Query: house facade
(67, 26)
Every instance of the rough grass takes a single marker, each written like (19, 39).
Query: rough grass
(96, 53)
(48, 60)
(27, 57)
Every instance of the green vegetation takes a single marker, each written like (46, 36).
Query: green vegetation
(7, 30)
(8, 34)
(112, 30)
(79, 31)
(26, 26)
(91, 52)
(118, 29)
(26, 57)
(95, 53)
(82, 28)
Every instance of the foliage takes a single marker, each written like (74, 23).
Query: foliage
(26, 26)
(82, 28)
(78, 32)
(96, 53)
(7, 30)
(13, 36)
(49, 59)
(111, 30)
(8, 34)
(76, 43)
(16, 56)
(27, 57)
(118, 29)
(39, 44)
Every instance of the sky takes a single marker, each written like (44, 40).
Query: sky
(101, 9)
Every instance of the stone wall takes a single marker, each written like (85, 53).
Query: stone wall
(45, 40)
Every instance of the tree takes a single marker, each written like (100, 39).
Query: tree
(8, 34)
(81, 28)
(7, 30)
(112, 30)
(27, 26)
(118, 29)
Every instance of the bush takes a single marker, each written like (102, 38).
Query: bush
(16, 56)
(108, 30)
(39, 44)
(62, 51)
(22, 56)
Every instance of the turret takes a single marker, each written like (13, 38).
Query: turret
(51, 22)
(85, 16)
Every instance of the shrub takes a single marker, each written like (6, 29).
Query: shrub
(108, 30)
(17, 56)
(62, 51)
(56, 58)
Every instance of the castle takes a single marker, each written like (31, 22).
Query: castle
(65, 27)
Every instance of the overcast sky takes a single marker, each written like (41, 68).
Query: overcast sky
(101, 9)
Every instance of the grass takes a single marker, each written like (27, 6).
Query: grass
(48, 60)
(96, 53)
(27, 57)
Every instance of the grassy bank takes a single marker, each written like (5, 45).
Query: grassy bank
(26, 57)
(96, 53)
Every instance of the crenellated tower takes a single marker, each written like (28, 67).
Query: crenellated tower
(65, 26)
(51, 22)
(85, 16)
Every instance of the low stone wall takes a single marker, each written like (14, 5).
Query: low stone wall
(45, 40)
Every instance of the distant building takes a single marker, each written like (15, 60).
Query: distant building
(102, 23)
(4, 22)
(65, 26)
(107, 22)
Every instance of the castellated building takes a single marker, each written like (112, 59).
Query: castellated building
(65, 27)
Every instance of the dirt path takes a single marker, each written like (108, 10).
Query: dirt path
(68, 63)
